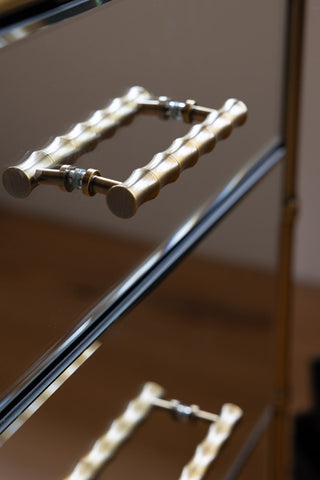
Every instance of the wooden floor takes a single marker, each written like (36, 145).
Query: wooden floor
(206, 334)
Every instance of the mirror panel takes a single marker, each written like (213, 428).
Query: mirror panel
(63, 252)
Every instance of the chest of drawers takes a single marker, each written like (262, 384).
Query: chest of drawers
(72, 272)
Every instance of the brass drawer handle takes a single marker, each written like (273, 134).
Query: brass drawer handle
(124, 198)
(20, 180)
(90, 466)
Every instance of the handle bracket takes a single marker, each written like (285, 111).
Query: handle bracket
(54, 164)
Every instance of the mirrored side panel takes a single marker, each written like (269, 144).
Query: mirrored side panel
(206, 334)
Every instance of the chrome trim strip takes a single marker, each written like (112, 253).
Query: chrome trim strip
(24, 21)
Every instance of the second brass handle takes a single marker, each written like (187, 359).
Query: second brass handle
(145, 183)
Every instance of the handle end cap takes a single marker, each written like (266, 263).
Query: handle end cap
(122, 202)
(16, 182)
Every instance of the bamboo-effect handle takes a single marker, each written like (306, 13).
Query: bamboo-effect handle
(21, 179)
(145, 183)
(121, 429)
(53, 165)
(209, 448)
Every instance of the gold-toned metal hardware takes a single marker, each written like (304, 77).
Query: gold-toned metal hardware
(137, 410)
(145, 183)
(102, 184)
(20, 180)
(207, 451)
(124, 198)
(187, 113)
(87, 184)
(184, 412)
